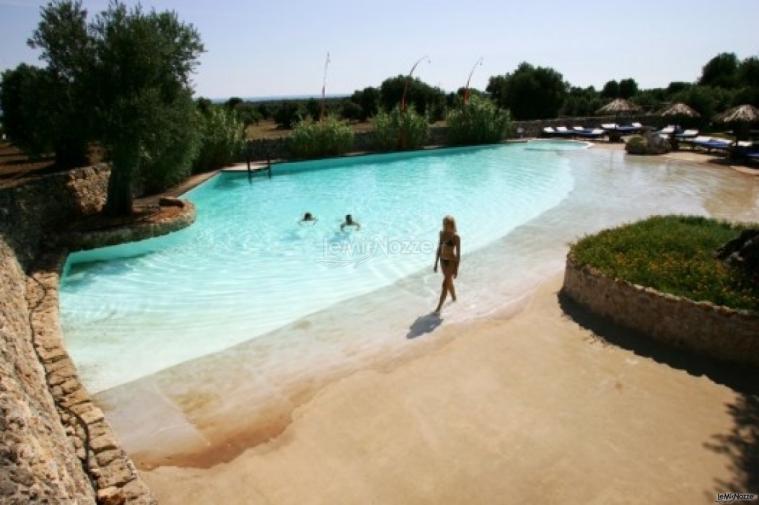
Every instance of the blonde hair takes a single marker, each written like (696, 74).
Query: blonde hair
(449, 221)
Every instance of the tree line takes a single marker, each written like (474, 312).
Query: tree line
(121, 80)
(528, 92)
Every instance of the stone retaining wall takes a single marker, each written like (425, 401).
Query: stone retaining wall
(55, 445)
(38, 462)
(114, 476)
(80, 240)
(701, 327)
(31, 211)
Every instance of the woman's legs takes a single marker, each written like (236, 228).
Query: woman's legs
(451, 288)
(443, 293)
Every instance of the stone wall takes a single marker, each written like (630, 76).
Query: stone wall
(32, 210)
(55, 445)
(701, 327)
(277, 149)
(38, 463)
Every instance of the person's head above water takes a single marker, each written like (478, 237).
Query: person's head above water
(348, 218)
(307, 216)
(449, 224)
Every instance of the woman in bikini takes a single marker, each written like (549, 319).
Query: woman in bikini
(449, 254)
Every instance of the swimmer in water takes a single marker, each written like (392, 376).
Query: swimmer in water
(308, 218)
(349, 222)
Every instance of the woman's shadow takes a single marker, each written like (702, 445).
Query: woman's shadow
(424, 324)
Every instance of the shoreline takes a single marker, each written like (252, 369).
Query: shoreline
(412, 415)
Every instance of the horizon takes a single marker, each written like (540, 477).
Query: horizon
(287, 51)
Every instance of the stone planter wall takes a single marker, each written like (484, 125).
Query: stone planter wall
(701, 327)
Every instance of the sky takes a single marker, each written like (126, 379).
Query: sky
(278, 47)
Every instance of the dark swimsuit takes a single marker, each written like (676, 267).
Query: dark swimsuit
(444, 262)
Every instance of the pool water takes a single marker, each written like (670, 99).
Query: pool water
(247, 267)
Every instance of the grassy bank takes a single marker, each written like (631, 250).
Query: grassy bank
(674, 254)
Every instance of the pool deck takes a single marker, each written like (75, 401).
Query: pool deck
(533, 408)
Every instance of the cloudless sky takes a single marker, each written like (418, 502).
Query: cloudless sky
(278, 47)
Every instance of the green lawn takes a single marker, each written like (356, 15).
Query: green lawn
(674, 254)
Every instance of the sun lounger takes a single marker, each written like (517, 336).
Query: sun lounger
(549, 131)
(710, 143)
(667, 130)
(609, 126)
(591, 134)
(626, 129)
(564, 132)
(687, 134)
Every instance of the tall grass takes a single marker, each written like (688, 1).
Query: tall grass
(399, 130)
(478, 122)
(314, 139)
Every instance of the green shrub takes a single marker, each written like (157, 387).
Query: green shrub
(400, 130)
(221, 138)
(167, 155)
(328, 137)
(478, 122)
(288, 113)
(351, 110)
(673, 254)
(428, 100)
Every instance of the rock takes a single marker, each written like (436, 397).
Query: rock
(111, 496)
(169, 201)
(648, 143)
(742, 251)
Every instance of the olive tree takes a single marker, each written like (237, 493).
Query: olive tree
(47, 109)
(142, 68)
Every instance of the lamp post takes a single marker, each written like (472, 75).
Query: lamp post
(408, 80)
(469, 79)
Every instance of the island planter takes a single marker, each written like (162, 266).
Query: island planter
(701, 327)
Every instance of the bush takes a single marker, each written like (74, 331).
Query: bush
(247, 113)
(674, 254)
(287, 114)
(167, 155)
(221, 138)
(351, 110)
(478, 122)
(529, 92)
(428, 100)
(313, 139)
(368, 99)
(648, 144)
(400, 130)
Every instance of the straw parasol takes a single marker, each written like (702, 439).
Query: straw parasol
(741, 114)
(679, 110)
(618, 106)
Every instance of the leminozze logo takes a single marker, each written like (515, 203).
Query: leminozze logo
(735, 497)
(347, 252)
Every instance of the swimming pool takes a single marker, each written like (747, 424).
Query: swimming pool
(247, 267)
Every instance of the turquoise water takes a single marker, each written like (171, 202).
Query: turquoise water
(246, 267)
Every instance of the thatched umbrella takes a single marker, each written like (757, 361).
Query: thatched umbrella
(617, 107)
(740, 118)
(679, 110)
(741, 114)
